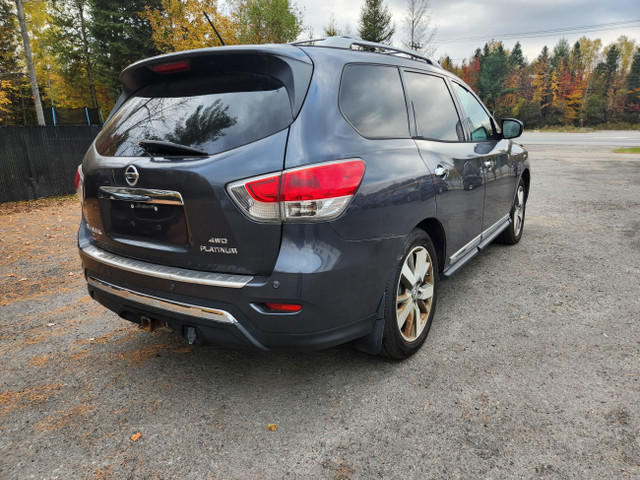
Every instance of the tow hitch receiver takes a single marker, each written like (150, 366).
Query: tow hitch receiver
(191, 334)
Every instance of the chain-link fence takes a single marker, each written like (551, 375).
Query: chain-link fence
(40, 162)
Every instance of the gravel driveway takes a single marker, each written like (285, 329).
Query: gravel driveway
(531, 369)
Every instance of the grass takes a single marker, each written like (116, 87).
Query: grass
(627, 150)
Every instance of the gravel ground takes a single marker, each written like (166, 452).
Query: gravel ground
(531, 369)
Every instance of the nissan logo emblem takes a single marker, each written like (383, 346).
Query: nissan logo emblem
(131, 175)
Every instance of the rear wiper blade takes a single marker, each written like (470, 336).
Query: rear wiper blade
(160, 147)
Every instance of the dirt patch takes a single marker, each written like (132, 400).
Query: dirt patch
(38, 254)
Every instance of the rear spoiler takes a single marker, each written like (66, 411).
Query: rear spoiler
(287, 63)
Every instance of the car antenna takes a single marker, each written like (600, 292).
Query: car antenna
(214, 28)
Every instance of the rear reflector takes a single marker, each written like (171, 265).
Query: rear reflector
(78, 182)
(173, 67)
(284, 307)
(317, 193)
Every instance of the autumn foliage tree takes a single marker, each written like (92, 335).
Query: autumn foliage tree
(181, 25)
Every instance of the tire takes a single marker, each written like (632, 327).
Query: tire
(513, 233)
(410, 299)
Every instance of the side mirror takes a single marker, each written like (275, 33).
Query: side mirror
(512, 128)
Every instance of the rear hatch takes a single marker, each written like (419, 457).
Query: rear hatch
(186, 125)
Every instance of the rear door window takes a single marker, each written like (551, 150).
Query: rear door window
(372, 100)
(208, 112)
(433, 108)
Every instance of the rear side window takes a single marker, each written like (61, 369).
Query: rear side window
(209, 112)
(372, 101)
(434, 110)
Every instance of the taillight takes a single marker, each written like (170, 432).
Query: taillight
(316, 193)
(78, 181)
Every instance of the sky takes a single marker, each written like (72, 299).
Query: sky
(464, 25)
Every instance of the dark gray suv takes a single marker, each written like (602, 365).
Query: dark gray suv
(294, 196)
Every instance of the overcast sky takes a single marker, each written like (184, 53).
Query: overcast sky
(457, 20)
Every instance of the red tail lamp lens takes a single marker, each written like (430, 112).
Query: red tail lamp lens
(78, 177)
(284, 307)
(173, 67)
(327, 181)
(265, 190)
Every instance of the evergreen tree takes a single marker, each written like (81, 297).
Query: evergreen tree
(560, 53)
(632, 100)
(375, 22)
(542, 85)
(516, 58)
(72, 46)
(121, 36)
(494, 69)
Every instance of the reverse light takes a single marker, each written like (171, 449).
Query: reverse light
(78, 182)
(319, 192)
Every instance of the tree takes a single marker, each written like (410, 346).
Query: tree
(332, 29)
(375, 22)
(542, 85)
(71, 45)
(9, 70)
(266, 21)
(417, 26)
(632, 101)
(122, 36)
(181, 25)
(493, 72)
(29, 60)
(516, 58)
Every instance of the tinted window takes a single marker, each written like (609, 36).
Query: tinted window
(372, 100)
(211, 112)
(479, 121)
(433, 107)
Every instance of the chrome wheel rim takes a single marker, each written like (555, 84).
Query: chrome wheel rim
(518, 211)
(415, 293)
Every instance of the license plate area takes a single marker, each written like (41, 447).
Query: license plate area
(149, 216)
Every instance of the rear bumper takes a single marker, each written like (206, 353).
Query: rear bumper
(340, 299)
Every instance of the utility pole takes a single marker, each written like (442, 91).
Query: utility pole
(29, 58)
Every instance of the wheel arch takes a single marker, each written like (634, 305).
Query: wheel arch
(526, 177)
(435, 230)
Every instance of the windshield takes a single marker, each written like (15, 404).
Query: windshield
(212, 113)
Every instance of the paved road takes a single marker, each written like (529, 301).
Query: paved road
(622, 138)
(530, 371)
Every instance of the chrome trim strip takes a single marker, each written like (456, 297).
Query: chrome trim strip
(496, 230)
(141, 195)
(464, 250)
(205, 313)
(495, 226)
(168, 273)
(481, 240)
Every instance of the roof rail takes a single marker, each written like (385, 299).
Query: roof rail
(348, 41)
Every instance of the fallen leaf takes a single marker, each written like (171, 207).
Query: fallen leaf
(426, 406)
(272, 427)
(135, 437)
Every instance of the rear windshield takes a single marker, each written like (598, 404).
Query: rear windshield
(210, 112)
